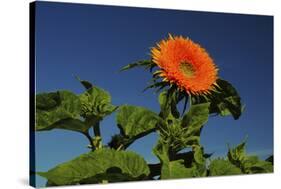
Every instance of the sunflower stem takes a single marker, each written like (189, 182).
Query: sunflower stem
(90, 140)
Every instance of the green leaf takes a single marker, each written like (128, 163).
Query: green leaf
(252, 164)
(47, 101)
(186, 132)
(196, 117)
(135, 121)
(60, 110)
(170, 169)
(97, 166)
(221, 167)
(145, 63)
(176, 168)
(69, 124)
(225, 100)
(160, 85)
(198, 154)
(168, 101)
(248, 164)
(85, 83)
(237, 154)
(96, 102)
(270, 159)
(177, 137)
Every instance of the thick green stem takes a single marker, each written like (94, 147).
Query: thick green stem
(96, 129)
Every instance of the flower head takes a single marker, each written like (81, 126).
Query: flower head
(186, 64)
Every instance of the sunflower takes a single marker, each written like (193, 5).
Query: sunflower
(186, 64)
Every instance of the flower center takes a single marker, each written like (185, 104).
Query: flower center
(187, 69)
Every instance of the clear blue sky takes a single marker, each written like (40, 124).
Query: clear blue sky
(94, 42)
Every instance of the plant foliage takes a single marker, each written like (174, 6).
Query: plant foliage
(178, 131)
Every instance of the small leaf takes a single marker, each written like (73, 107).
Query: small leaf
(159, 85)
(85, 83)
(270, 159)
(221, 167)
(95, 167)
(198, 154)
(146, 63)
(168, 101)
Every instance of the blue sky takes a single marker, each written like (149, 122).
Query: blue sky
(94, 42)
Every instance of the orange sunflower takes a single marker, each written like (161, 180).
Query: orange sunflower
(186, 64)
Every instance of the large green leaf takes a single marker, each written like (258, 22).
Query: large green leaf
(135, 121)
(96, 102)
(58, 110)
(221, 167)
(98, 166)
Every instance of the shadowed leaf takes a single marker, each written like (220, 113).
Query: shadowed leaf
(224, 101)
(60, 110)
